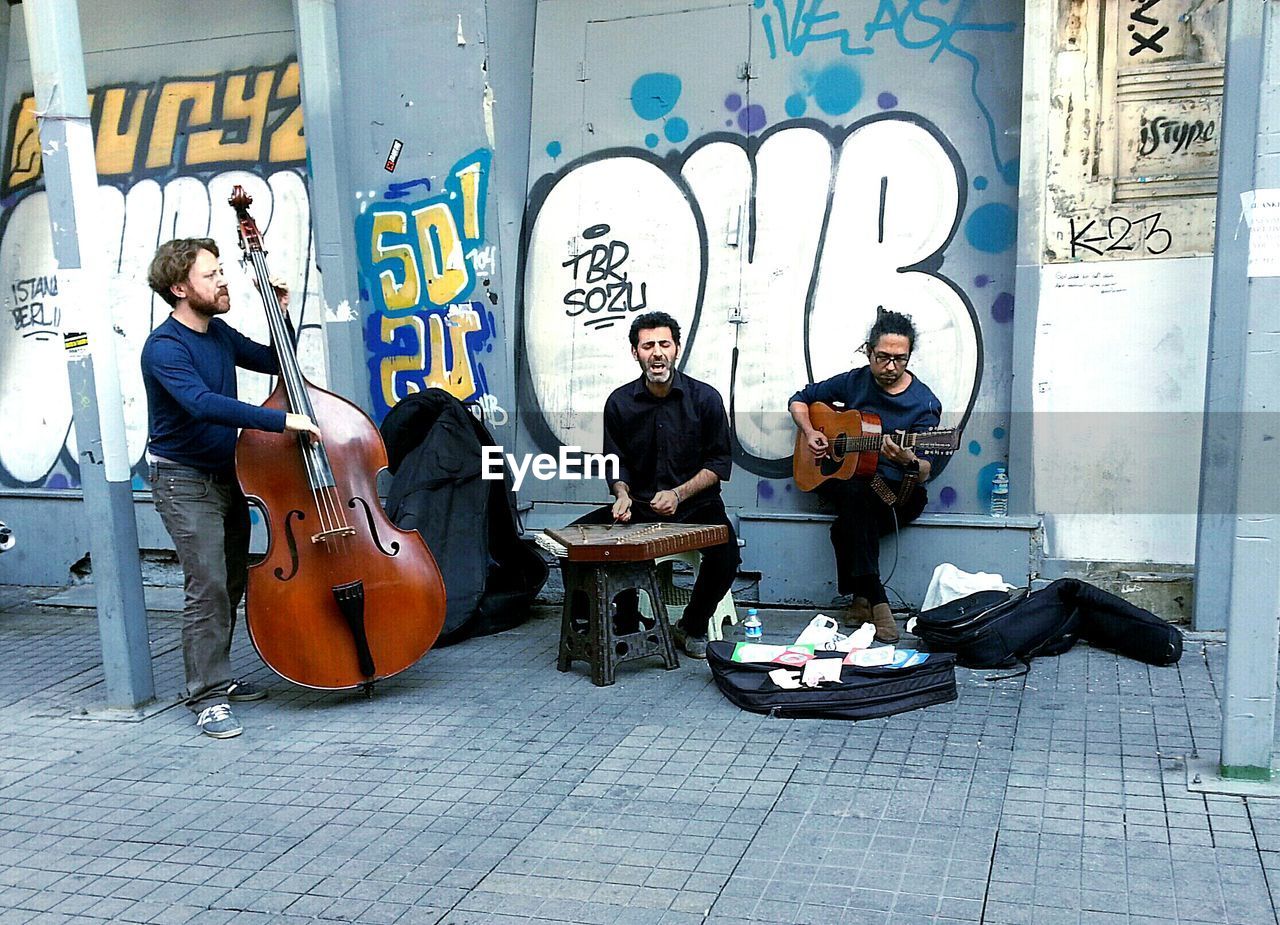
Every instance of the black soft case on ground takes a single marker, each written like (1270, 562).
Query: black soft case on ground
(863, 693)
(999, 629)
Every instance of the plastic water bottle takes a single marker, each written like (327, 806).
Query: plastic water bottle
(1000, 493)
(752, 627)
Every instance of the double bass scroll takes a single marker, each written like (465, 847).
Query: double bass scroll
(343, 597)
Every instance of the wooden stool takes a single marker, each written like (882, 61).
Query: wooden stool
(586, 630)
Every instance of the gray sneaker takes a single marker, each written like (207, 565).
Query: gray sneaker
(694, 646)
(241, 691)
(219, 722)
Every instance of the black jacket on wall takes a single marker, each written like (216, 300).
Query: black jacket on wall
(469, 523)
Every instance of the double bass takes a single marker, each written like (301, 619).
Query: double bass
(343, 597)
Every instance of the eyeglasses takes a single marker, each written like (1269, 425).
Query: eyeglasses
(897, 359)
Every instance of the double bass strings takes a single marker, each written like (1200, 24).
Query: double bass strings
(319, 473)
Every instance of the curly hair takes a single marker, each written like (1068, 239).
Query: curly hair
(889, 322)
(172, 264)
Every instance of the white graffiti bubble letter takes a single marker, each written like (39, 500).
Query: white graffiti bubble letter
(573, 365)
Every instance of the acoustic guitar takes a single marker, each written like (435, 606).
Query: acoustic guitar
(855, 439)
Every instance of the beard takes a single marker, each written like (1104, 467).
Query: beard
(220, 305)
(662, 375)
(658, 376)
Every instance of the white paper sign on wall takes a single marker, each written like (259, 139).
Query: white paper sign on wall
(1262, 213)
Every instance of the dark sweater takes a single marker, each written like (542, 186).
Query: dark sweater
(914, 409)
(190, 378)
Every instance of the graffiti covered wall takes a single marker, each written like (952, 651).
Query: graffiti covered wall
(1121, 335)
(427, 226)
(168, 154)
(420, 259)
(770, 173)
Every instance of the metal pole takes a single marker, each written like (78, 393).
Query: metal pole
(1243, 380)
(1220, 444)
(6, 33)
(71, 184)
(324, 115)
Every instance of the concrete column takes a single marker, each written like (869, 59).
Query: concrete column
(1038, 48)
(6, 16)
(333, 218)
(71, 184)
(1239, 532)
(1215, 527)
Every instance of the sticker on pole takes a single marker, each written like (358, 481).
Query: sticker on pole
(394, 155)
(77, 344)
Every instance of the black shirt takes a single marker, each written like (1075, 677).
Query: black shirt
(661, 443)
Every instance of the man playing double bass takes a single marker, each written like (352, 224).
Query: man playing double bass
(189, 370)
(867, 510)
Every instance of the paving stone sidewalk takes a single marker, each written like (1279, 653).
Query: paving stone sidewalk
(484, 786)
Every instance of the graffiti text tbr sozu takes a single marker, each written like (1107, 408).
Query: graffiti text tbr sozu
(599, 283)
(419, 260)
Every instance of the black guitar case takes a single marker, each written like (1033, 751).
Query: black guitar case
(999, 629)
(863, 693)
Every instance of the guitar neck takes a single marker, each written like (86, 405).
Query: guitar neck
(874, 443)
(847, 444)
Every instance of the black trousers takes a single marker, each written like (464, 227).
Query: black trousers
(861, 519)
(715, 574)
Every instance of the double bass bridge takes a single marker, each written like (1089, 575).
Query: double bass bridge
(333, 534)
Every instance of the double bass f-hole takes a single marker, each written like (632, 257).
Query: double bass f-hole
(373, 527)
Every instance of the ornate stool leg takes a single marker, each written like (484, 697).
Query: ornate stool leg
(603, 655)
(663, 628)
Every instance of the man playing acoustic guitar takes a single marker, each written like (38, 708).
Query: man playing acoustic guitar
(868, 509)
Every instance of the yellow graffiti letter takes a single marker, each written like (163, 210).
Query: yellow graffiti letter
(241, 116)
(459, 381)
(396, 296)
(442, 259)
(24, 161)
(469, 179)
(117, 147)
(165, 128)
(406, 363)
(287, 145)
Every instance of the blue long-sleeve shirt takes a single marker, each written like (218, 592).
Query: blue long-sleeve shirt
(915, 408)
(190, 378)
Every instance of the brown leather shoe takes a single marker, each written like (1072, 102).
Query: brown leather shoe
(886, 629)
(858, 612)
